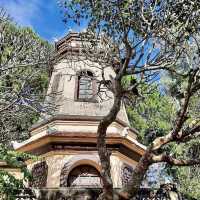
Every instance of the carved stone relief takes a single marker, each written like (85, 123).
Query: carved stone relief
(127, 172)
(39, 175)
(64, 175)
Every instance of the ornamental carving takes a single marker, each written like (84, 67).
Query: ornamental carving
(127, 172)
(39, 175)
(63, 175)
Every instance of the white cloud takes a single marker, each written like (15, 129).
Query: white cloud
(58, 35)
(42, 15)
(55, 39)
(24, 12)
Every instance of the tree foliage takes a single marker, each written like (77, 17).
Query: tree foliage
(187, 178)
(143, 38)
(153, 115)
(10, 186)
(24, 66)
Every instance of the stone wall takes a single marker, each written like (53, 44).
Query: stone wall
(66, 89)
(59, 167)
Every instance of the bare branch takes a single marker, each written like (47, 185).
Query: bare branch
(173, 161)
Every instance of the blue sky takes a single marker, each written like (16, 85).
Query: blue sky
(44, 16)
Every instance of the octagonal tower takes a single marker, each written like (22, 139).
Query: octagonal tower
(66, 140)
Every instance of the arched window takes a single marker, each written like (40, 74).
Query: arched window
(84, 176)
(85, 86)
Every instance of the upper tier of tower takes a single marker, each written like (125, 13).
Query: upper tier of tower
(74, 85)
(80, 105)
(69, 44)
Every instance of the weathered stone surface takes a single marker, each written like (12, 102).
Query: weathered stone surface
(39, 175)
(68, 194)
(126, 174)
(60, 165)
(166, 192)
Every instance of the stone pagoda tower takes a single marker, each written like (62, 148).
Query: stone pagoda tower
(66, 140)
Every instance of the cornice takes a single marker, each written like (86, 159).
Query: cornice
(62, 137)
(77, 118)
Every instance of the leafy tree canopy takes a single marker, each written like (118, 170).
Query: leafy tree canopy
(141, 39)
(24, 74)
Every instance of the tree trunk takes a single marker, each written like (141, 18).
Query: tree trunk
(133, 186)
(103, 152)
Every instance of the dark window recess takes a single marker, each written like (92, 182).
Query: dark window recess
(84, 176)
(39, 175)
(86, 86)
(55, 83)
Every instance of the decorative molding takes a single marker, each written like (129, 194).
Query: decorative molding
(79, 118)
(80, 143)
